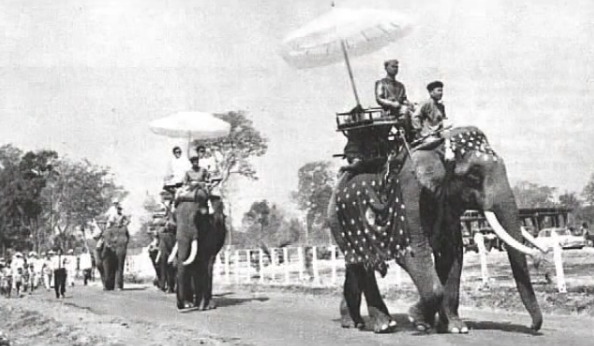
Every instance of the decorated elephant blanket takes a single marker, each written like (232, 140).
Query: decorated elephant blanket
(372, 220)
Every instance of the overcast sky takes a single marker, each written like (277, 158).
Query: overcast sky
(86, 77)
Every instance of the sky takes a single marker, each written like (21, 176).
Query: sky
(86, 77)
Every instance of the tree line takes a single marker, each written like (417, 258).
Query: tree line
(47, 201)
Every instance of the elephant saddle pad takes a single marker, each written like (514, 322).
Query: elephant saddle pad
(371, 213)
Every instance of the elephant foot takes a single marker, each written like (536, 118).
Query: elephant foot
(184, 305)
(211, 306)
(382, 323)
(422, 320)
(453, 325)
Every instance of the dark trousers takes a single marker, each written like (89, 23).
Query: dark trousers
(60, 282)
(86, 275)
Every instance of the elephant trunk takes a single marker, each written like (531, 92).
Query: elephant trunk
(193, 253)
(172, 255)
(505, 221)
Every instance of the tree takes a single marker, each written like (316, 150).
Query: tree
(530, 195)
(314, 190)
(22, 178)
(588, 191)
(78, 193)
(233, 153)
(143, 237)
(267, 226)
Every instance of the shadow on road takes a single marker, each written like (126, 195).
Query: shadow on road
(226, 302)
(404, 324)
(501, 326)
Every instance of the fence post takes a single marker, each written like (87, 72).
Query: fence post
(227, 269)
(314, 264)
(249, 266)
(333, 260)
(300, 259)
(236, 266)
(261, 264)
(480, 242)
(286, 264)
(558, 258)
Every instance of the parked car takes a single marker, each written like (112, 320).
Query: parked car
(564, 237)
(491, 241)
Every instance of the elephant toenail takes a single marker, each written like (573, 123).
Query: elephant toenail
(384, 327)
(455, 330)
(464, 330)
(393, 324)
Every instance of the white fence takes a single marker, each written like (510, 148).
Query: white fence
(321, 266)
(317, 266)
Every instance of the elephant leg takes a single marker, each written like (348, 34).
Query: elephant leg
(378, 311)
(163, 273)
(449, 256)
(200, 282)
(170, 272)
(109, 273)
(210, 304)
(183, 288)
(119, 274)
(350, 306)
(419, 265)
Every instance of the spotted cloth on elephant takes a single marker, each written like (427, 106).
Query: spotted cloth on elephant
(468, 139)
(371, 233)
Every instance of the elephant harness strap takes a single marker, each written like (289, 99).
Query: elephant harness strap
(369, 235)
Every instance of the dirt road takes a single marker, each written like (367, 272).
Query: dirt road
(144, 316)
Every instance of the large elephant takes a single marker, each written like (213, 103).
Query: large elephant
(199, 238)
(417, 223)
(110, 257)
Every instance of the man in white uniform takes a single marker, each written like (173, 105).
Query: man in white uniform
(70, 265)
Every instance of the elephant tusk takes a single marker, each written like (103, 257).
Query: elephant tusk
(173, 254)
(158, 257)
(503, 235)
(193, 252)
(533, 241)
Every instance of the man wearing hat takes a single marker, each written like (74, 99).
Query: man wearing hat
(430, 115)
(390, 94)
(59, 274)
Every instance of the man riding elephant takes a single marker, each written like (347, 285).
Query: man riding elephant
(425, 196)
(200, 235)
(111, 249)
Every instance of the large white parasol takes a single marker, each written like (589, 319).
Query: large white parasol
(191, 126)
(340, 33)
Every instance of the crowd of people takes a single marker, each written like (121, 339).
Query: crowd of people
(52, 269)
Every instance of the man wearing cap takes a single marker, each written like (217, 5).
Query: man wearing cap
(390, 94)
(18, 270)
(195, 178)
(430, 115)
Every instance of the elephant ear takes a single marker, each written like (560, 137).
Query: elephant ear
(429, 169)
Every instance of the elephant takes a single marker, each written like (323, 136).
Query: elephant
(166, 264)
(199, 238)
(110, 256)
(153, 253)
(410, 212)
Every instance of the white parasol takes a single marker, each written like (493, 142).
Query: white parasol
(191, 126)
(341, 32)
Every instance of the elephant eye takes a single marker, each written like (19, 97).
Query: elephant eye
(474, 177)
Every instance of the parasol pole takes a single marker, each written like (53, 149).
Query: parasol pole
(189, 144)
(348, 64)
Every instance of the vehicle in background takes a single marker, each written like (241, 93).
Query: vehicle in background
(546, 238)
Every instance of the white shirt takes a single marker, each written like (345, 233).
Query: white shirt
(57, 262)
(17, 263)
(85, 261)
(176, 170)
(70, 262)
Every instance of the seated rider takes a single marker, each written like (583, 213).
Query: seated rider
(429, 119)
(214, 178)
(176, 170)
(366, 148)
(390, 94)
(195, 178)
